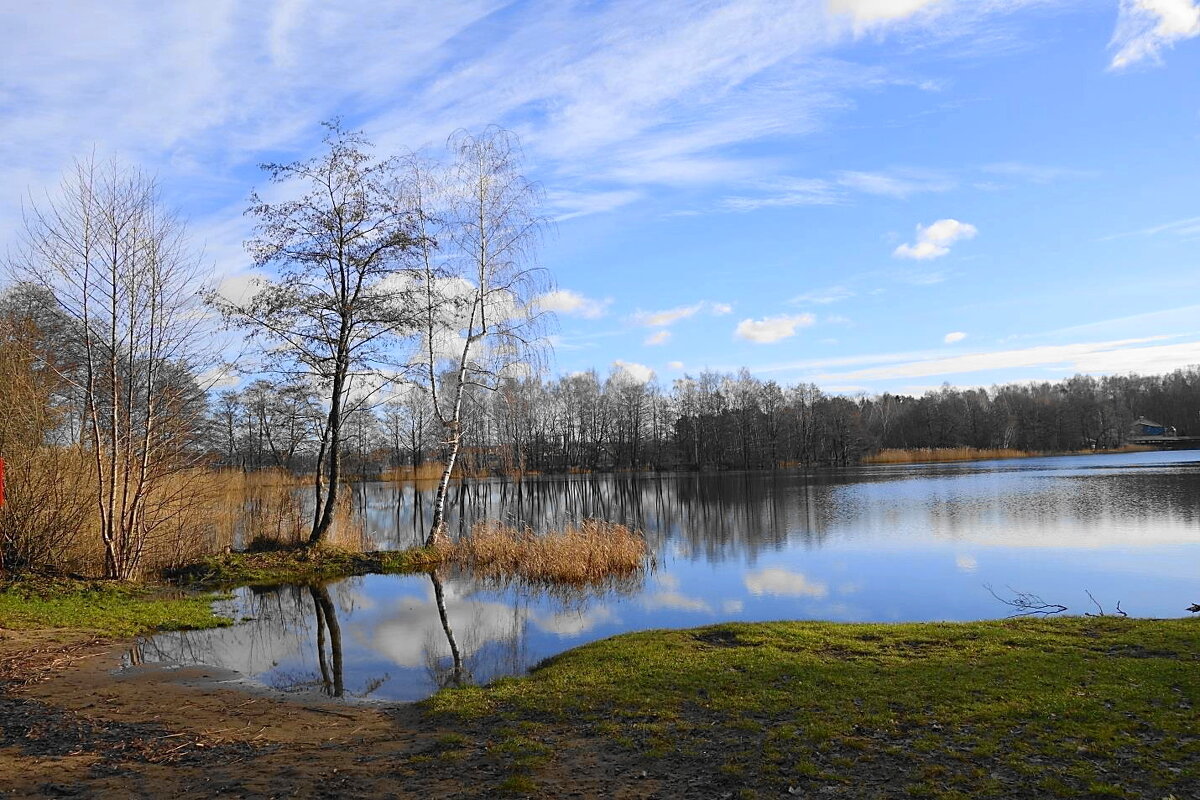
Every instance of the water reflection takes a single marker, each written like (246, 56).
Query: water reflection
(886, 543)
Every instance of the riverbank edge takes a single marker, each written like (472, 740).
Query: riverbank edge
(182, 598)
(1066, 707)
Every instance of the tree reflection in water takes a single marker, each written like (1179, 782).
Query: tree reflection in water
(332, 681)
(457, 675)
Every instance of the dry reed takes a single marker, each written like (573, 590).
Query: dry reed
(949, 454)
(591, 552)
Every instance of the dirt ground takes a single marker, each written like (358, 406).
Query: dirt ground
(75, 726)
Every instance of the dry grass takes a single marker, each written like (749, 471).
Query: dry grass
(591, 552)
(950, 454)
(943, 454)
(268, 509)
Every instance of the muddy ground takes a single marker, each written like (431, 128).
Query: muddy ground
(75, 725)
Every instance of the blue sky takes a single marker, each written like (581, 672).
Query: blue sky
(866, 194)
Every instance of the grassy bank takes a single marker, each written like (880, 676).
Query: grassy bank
(1073, 707)
(103, 608)
(302, 565)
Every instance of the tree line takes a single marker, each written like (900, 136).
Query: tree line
(583, 422)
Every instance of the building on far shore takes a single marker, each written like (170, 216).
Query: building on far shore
(1143, 428)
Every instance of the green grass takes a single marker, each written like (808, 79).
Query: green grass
(302, 565)
(105, 608)
(1070, 707)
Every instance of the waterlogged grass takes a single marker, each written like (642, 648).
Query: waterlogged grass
(1072, 707)
(301, 565)
(104, 608)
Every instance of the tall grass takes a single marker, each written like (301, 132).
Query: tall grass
(272, 509)
(590, 552)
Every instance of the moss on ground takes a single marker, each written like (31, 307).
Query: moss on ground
(105, 608)
(301, 565)
(1069, 707)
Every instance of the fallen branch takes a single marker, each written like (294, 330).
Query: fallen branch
(1027, 604)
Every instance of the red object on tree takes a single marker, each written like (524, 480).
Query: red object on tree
(1, 483)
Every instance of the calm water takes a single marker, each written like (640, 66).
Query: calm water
(867, 544)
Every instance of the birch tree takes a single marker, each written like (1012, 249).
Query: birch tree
(335, 304)
(118, 266)
(474, 272)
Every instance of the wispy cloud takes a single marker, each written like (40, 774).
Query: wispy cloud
(669, 316)
(655, 339)
(1093, 357)
(954, 337)
(825, 296)
(899, 183)
(1180, 227)
(1036, 173)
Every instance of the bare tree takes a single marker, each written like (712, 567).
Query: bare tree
(118, 266)
(478, 225)
(334, 304)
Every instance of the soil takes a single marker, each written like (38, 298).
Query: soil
(74, 724)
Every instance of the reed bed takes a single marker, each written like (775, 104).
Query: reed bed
(944, 454)
(588, 553)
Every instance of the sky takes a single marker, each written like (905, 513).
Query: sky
(869, 195)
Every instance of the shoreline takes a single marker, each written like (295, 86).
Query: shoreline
(1069, 707)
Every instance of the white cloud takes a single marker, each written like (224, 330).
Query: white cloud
(772, 329)
(661, 337)
(565, 301)
(954, 336)
(1145, 27)
(631, 371)
(241, 288)
(675, 365)
(933, 241)
(876, 10)
(779, 581)
(720, 309)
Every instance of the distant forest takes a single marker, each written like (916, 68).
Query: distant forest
(582, 422)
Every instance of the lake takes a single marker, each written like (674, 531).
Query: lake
(881, 543)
